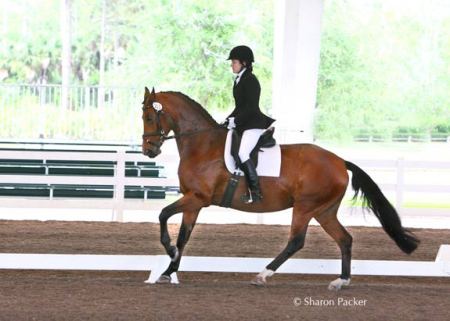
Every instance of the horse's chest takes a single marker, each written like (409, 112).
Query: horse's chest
(190, 168)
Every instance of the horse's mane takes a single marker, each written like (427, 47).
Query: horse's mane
(196, 105)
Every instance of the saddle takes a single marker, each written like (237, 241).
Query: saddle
(270, 161)
(266, 140)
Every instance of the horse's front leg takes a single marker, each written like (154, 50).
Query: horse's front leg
(188, 203)
(187, 225)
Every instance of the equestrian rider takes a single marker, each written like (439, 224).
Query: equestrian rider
(250, 121)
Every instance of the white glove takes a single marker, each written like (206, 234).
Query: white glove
(231, 123)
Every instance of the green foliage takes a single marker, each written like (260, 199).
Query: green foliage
(384, 64)
(172, 45)
(29, 42)
(384, 68)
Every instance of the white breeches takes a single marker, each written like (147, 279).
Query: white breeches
(248, 142)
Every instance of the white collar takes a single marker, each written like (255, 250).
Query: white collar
(240, 73)
(238, 77)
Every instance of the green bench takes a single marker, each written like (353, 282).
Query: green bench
(79, 168)
(82, 168)
(81, 191)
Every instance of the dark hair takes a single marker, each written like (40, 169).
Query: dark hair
(248, 65)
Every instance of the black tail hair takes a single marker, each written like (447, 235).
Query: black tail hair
(383, 210)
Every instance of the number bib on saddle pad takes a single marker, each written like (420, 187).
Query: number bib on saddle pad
(269, 159)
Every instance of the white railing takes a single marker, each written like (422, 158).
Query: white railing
(117, 108)
(114, 105)
(117, 204)
(399, 185)
(401, 167)
(158, 263)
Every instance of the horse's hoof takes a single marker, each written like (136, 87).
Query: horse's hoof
(259, 281)
(164, 279)
(337, 284)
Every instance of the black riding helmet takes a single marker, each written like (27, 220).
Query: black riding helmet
(241, 53)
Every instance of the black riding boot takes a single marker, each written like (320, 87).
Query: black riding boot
(253, 182)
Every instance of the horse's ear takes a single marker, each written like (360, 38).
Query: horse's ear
(147, 93)
(153, 93)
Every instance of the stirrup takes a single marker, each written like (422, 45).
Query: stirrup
(251, 197)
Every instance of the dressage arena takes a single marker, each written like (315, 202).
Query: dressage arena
(96, 295)
(30, 294)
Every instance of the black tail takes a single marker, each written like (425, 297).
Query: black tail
(383, 210)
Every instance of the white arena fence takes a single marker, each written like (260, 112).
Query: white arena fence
(158, 263)
(398, 184)
(119, 180)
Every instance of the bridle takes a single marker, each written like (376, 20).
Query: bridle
(159, 129)
(159, 132)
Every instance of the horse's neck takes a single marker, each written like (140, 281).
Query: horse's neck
(196, 132)
(188, 120)
(207, 144)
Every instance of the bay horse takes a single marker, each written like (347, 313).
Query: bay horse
(312, 182)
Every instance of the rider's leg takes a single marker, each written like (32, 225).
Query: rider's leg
(249, 139)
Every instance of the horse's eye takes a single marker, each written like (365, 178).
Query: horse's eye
(149, 120)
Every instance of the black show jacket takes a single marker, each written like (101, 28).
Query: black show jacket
(246, 96)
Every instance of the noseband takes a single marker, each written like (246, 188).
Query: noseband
(159, 129)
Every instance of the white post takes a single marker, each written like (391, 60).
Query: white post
(400, 184)
(296, 66)
(119, 186)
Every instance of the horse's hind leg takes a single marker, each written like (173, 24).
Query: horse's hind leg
(296, 241)
(344, 240)
(187, 225)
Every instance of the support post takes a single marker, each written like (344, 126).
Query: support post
(119, 186)
(296, 66)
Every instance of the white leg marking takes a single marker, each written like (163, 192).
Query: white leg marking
(266, 273)
(177, 254)
(337, 284)
(260, 279)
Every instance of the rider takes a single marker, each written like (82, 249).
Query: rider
(250, 121)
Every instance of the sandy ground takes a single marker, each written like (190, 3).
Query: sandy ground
(89, 295)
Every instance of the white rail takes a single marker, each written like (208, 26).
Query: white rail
(158, 263)
(119, 157)
(399, 185)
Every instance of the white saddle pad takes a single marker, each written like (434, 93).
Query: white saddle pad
(269, 161)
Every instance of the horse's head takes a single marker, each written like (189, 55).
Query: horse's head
(156, 124)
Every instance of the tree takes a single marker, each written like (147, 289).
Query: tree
(66, 36)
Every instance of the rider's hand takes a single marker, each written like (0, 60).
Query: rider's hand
(225, 123)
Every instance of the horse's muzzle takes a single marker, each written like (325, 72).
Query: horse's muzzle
(152, 153)
(151, 149)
